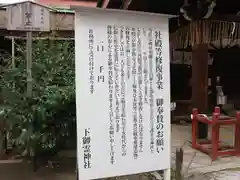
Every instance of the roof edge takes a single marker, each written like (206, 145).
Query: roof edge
(22, 2)
(81, 8)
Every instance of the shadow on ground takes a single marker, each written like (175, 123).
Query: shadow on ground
(12, 170)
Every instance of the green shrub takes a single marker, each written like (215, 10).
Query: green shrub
(45, 120)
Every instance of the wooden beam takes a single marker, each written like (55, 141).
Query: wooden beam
(41, 35)
(41, 38)
(127, 3)
(136, 5)
(225, 17)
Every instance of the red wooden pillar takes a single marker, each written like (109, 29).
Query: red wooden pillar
(200, 84)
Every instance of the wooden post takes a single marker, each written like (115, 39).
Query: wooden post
(200, 84)
(179, 164)
(29, 63)
(13, 53)
(13, 57)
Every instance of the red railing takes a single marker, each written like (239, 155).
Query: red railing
(213, 147)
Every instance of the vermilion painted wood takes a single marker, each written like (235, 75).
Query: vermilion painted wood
(213, 147)
(68, 3)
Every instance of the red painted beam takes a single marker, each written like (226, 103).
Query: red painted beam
(105, 3)
(68, 3)
(127, 3)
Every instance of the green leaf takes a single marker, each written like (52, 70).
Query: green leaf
(40, 119)
(25, 135)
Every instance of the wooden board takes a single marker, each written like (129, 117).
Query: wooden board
(59, 21)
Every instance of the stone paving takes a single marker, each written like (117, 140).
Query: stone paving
(197, 166)
(197, 163)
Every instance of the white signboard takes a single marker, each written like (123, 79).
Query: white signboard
(28, 16)
(122, 91)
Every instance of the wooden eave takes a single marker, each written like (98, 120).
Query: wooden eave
(206, 32)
